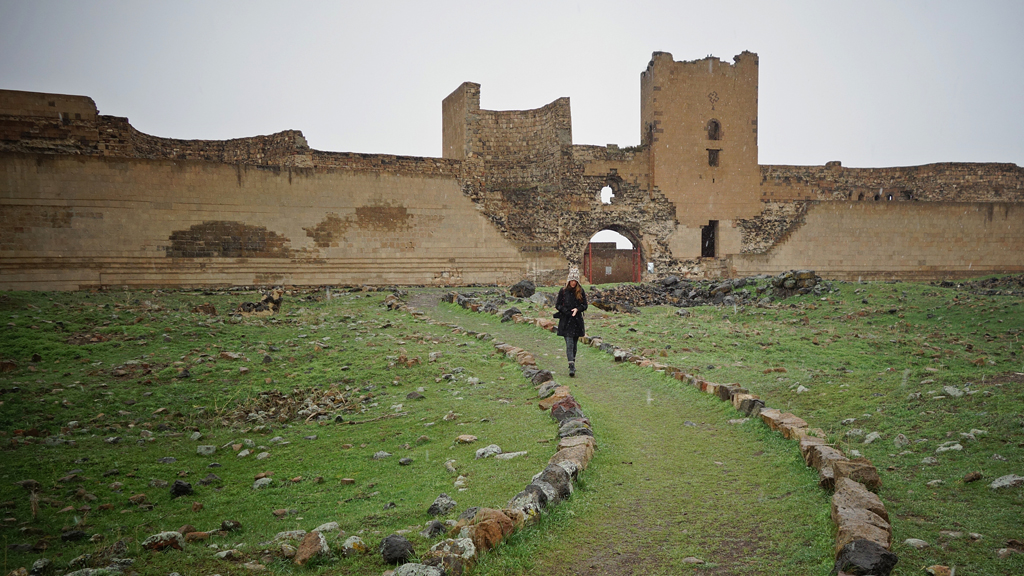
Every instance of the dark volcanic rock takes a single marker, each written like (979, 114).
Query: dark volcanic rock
(865, 557)
(180, 488)
(395, 549)
(522, 289)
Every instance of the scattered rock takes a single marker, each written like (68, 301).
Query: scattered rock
(939, 570)
(948, 446)
(163, 541)
(180, 488)
(901, 441)
(414, 569)
(465, 439)
(488, 451)
(442, 505)
(313, 544)
(206, 450)
(405, 462)
(915, 543)
(354, 545)
(262, 483)
(381, 455)
(433, 529)
(1008, 481)
(230, 525)
(523, 289)
(396, 549)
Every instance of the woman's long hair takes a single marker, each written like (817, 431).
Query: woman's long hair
(577, 291)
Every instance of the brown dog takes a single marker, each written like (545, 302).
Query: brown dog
(268, 306)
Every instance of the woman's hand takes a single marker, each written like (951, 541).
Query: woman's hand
(574, 311)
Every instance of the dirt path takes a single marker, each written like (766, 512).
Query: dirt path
(671, 478)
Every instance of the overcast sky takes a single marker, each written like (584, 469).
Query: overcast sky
(867, 83)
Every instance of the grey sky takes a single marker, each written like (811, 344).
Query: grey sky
(868, 83)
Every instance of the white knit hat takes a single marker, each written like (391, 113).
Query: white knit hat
(574, 274)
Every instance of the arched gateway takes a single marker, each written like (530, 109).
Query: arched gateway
(606, 262)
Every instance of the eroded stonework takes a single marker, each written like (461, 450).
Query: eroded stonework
(512, 197)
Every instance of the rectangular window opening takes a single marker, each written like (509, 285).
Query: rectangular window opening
(713, 157)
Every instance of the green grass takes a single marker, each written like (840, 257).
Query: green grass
(759, 511)
(360, 343)
(867, 362)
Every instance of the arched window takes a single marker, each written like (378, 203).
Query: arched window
(714, 130)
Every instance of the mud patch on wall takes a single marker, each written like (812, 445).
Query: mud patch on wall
(383, 217)
(327, 233)
(227, 239)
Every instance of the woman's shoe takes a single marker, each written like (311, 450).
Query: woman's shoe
(572, 369)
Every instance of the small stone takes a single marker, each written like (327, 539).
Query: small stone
(327, 527)
(972, 477)
(939, 570)
(465, 439)
(262, 483)
(948, 446)
(872, 437)
(230, 525)
(180, 488)
(442, 505)
(381, 455)
(488, 451)
(348, 480)
(692, 560)
(206, 450)
(1008, 481)
(405, 462)
(930, 460)
(263, 455)
(167, 460)
(433, 529)
(915, 543)
(934, 483)
(901, 441)
(952, 391)
(243, 453)
(354, 545)
(163, 541)
(509, 455)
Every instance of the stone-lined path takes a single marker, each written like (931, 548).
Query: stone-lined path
(672, 478)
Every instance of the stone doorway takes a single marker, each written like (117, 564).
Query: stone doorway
(612, 255)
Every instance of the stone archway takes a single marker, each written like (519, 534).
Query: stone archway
(605, 263)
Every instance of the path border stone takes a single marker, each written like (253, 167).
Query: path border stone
(487, 527)
(857, 512)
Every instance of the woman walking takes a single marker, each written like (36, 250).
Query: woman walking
(571, 303)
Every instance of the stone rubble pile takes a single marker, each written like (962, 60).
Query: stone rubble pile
(670, 291)
(1005, 286)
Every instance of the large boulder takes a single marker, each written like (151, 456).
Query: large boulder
(523, 289)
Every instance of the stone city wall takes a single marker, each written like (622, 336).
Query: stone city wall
(896, 240)
(71, 222)
(944, 182)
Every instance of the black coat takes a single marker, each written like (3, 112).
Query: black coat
(569, 325)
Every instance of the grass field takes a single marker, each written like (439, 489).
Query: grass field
(100, 389)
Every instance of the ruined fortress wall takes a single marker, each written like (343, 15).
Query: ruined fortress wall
(944, 182)
(906, 240)
(70, 222)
